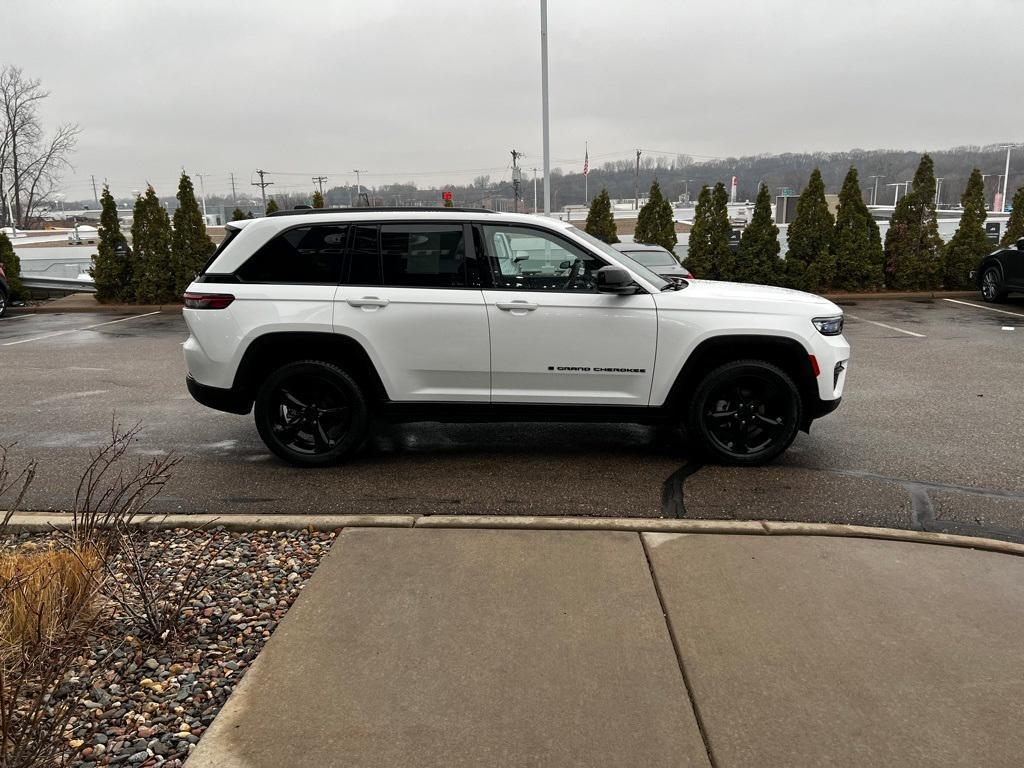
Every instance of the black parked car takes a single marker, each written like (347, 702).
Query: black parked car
(1000, 272)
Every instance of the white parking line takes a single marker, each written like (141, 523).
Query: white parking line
(883, 325)
(982, 306)
(76, 330)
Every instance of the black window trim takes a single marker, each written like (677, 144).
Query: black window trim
(492, 261)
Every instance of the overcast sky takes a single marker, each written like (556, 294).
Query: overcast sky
(441, 90)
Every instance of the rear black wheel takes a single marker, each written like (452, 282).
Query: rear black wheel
(3, 303)
(992, 285)
(745, 413)
(311, 413)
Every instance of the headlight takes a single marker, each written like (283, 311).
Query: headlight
(829, 326)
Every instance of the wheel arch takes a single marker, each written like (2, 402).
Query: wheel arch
(787, 353)
(269, 351)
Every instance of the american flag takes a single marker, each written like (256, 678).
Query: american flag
(586, 161)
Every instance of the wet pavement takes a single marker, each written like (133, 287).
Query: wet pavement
(930, 435)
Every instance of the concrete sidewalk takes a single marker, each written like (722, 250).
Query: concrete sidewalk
(443, 647)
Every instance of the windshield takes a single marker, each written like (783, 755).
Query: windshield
(656, 280)
(653, 258)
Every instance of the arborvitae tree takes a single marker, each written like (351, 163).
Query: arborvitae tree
(709, 255)
(856, 242)
(318, 199)
(810, 234)
(1015, 225)
(111, 270)
(966, 248)
(272, 206)
(600, 222)
(238, 214)
(913, 248)
(12, 267)
(758, 258)
(151, 251)
(655, 224)
(191, 247)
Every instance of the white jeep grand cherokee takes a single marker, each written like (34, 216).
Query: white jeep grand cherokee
(328, 319)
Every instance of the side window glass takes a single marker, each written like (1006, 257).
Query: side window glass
(531, 260)
(426, 256)
(304, 255)
(364, 257)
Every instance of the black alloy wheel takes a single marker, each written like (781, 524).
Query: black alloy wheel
(745, 412)
(311, 413)
(992, 285)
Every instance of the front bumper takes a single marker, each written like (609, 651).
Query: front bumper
(227, 400)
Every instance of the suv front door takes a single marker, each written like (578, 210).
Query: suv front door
(411, 295)
(554, 338)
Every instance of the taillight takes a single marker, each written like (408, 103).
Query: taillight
(208, 300)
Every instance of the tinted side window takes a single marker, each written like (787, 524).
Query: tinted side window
(426, 256)
(364, 257)
(302, 255)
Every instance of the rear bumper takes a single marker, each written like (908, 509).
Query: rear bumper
(227, 400)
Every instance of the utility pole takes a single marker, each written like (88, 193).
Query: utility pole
(94, 195)
(544, 103)
(517, 179)
(319, 180)
(202, 192)
(535, 190)
(1006, 176)
(263, 189)
(359, 186)
(874, 192)
(636, 183)
(234, 198)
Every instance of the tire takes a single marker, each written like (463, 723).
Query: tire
(992, 289)
(744, 413)
(3, 303)
(311, 413)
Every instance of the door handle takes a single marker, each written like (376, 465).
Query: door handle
(367, 301)
(516, 305)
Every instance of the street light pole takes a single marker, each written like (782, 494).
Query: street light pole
(1006, 177)
(535, 190)
(202, 191)
(874, 193)
(544, 103)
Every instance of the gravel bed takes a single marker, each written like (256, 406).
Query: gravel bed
(149, 704)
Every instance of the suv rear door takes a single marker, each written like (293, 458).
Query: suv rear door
(411, 295)
(554, 338)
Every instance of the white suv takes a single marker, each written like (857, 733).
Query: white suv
(328, 319)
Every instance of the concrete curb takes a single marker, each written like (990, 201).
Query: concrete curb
(36, 522)
(101, 309)
(900, 295)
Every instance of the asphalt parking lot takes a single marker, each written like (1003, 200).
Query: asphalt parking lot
(930, 435)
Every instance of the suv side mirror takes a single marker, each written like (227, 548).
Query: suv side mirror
(1020, 244)
(615, 280)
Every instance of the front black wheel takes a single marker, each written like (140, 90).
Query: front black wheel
(3, 303)
(311, 413)
(992, 285)
(745, 413)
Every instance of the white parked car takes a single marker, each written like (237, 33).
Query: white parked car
(325, 319)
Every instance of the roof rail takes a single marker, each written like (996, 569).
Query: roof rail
(381, 209)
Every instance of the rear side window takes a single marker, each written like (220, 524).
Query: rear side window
(426, 256)
(304, 255)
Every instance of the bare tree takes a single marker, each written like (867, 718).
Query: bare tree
(30, 162)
